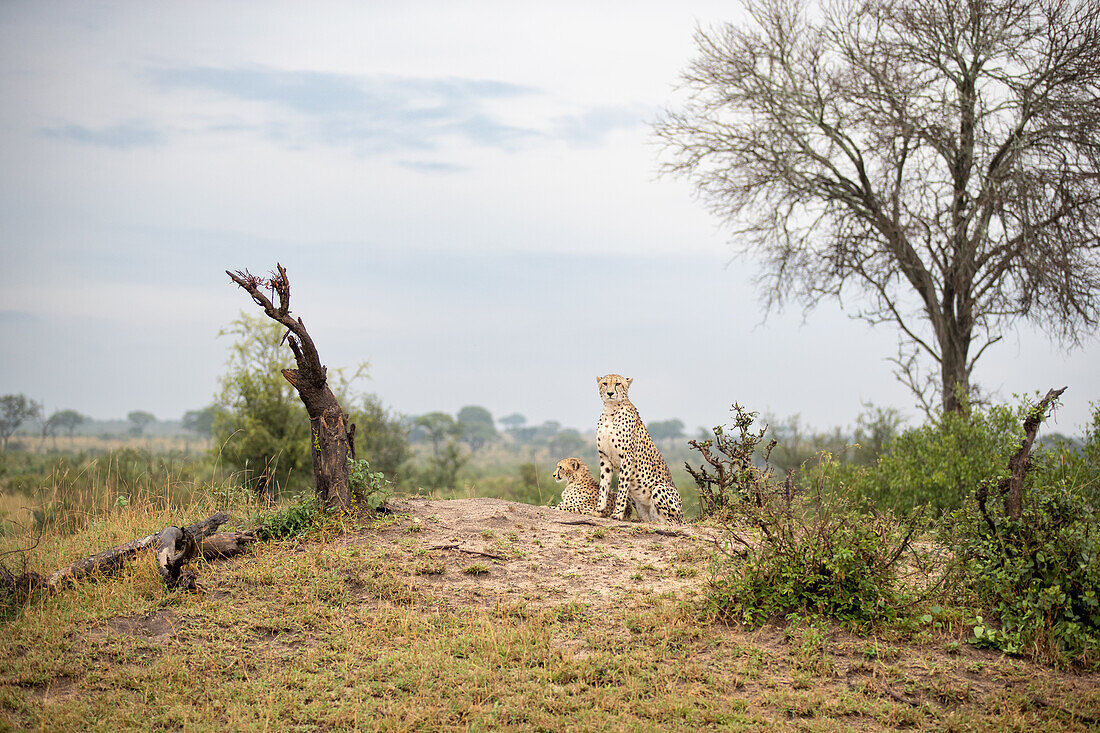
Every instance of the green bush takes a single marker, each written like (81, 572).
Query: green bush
(294, 520)
(732, 477)
(261, 427)
(369, 488)
(382, 435)
(1039, 576)
(818, 554)
(1078, 465)
(942, 462)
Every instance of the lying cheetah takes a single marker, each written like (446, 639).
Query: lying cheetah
(625, 446)
(582, 492)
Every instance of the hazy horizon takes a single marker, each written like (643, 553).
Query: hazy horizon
(466, 196)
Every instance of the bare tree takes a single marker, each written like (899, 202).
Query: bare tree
(332, 440)
(939, 158)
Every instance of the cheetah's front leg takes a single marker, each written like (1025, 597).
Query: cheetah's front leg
(605, 481)
(626, 480)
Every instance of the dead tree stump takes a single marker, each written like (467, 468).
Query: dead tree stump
(331, 436)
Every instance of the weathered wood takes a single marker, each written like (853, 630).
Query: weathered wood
(110, 560)
(332, 438)
(175, 548)
(226, 544)
(1013, 486)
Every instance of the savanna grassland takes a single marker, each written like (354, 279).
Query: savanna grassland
(519, 621)
(478, 607)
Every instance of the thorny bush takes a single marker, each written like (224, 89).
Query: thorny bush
(792, 551)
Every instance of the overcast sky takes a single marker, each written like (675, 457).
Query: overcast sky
(463, 194)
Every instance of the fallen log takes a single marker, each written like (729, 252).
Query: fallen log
(226, 544)
(110, 560)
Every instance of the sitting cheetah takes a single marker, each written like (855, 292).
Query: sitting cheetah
(582, 492)
(625, 446)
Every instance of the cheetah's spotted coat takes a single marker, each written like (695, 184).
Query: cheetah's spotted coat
(625, 446)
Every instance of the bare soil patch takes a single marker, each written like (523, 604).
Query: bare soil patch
(490, 551)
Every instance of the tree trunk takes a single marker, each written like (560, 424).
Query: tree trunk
(954, 369)
(331, 439)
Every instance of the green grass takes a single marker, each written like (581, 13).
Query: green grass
(315, 635)
(330, 629)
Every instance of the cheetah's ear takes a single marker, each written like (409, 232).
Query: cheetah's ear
(574, 463)
(629, 380)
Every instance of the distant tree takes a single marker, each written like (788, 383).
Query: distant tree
(201, 422)
(939, 158)
(566, 443)
(875, 428)
(139, 421)
(383, 435)
(14, 411)
(438, 426)
(68, 420)
(525, 436)
(666, 429)
(261, 426)
(477, 426)
(513, 421)
(443, 467)
(49, 429)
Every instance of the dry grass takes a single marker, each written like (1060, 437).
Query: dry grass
(369, 628)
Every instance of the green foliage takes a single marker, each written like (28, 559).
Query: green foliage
(876, 427)
(568, 442)
(820, 555)
(476, 426)
(368, 488)
(68, 420)
(262, 428)
(139, 420)
(732, 476)
(1039, 576)
(941, 463)
(528, 474)
(201, 422)
(513, 421)
(441, 470)
(293, 520)
(1078, 465)
(666, 429)
(14, 411)
(437, 428)
(382, 436)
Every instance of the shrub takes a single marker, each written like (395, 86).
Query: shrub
(1039, 576)
(818, 553)
(294, 520)
(732, 476)
(383, 435)
(942, 462)
(369, 488)
(261, 426)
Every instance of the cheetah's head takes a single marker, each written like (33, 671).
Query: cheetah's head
(613, 387)
(567, 467)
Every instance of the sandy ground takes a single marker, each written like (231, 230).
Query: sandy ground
(490, 551)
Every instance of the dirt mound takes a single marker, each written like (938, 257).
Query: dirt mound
(490, 551)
